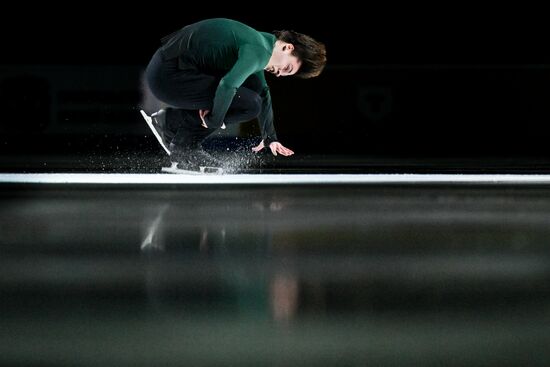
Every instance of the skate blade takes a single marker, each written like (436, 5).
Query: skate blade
(149, 122)
(202, 170)
(212, 170)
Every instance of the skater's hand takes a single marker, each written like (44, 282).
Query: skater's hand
(275, 147)
(202, 114)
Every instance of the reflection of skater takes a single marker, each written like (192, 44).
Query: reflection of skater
(212, 74)
(214, 256)
(152, 242)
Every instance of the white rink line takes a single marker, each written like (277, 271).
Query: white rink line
(266, 179)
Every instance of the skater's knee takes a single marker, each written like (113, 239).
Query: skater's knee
(255, 105)
(246, 106)
(253, 83)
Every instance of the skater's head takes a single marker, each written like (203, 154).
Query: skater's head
(296, 54)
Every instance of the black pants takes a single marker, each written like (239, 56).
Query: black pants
(189, 89)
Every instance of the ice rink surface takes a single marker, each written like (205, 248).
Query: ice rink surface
(276, 269)
(139, 179)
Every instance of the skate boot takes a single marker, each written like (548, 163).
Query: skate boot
(157, 124)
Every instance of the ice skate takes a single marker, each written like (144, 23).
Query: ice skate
(193, 161)
(177, 167)
(156, 123)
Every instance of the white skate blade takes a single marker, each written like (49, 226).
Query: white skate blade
(203, 170)
(149, 122)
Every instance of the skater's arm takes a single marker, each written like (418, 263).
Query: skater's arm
(269, 136)
(265, 118)
(246, 65)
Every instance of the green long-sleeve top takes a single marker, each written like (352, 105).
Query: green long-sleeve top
(225, 45)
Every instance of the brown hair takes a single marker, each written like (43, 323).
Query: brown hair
(310, 52)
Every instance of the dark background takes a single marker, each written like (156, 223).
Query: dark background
(401, 81)
(280, 275)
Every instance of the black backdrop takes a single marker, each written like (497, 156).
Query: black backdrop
(400, 81)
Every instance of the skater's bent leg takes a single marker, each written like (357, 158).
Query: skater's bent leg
(186, 124)
(254, 84)
(246, 105)
(186, 88)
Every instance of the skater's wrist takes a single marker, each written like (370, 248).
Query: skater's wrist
(268, 141)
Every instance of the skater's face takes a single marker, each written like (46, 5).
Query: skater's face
(284, 63)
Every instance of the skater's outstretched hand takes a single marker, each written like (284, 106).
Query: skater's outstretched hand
(275, 147)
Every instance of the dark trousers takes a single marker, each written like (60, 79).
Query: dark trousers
(187, 89)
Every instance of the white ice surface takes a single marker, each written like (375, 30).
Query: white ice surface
(279, 179)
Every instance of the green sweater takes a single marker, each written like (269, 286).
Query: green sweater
(236, 50)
